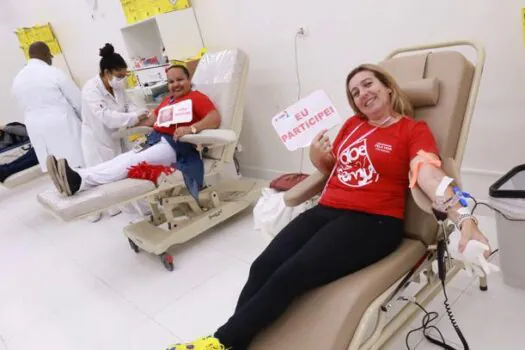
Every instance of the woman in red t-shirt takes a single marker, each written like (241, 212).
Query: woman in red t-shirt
(204, 116)
(359, 220)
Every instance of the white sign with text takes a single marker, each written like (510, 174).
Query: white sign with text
(298, 124)
(181, 112)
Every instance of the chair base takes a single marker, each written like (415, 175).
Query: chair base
(177, 219)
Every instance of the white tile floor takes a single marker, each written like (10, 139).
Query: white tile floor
(79, 286)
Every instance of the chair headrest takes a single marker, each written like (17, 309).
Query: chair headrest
(421, 92)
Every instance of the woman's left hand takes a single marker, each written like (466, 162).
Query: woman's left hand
(469, 231)
(181, 131)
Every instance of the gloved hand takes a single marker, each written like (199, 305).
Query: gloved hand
(472, 256)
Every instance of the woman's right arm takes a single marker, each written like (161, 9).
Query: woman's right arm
(321, 153)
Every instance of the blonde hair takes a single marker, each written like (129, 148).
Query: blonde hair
(398, 99)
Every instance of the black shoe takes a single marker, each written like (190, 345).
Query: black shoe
(3, 176)
(52, 170)
(70, 178)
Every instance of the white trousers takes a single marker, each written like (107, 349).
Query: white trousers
(117, 168)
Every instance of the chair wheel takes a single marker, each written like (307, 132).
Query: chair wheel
(167, 261)
(133, 246)
(484, 288)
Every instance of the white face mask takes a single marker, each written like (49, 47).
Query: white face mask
(118, 83)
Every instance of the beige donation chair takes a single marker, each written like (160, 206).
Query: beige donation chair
(24, 176)
(175, 216)
(357, 311)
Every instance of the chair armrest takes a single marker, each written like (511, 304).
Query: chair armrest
(305, 189)
(211, 138)
(126, 132)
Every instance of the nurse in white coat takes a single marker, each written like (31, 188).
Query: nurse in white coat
(105, 109)
(50, 102)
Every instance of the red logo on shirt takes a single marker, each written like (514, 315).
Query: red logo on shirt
(354, 167)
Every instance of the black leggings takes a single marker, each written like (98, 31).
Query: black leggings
(320, 246)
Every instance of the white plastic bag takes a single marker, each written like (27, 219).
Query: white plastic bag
(271, 214)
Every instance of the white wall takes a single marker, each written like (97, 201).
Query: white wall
(341, 34)
(11, 60)
(79, 35)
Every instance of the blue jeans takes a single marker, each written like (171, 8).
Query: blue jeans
(26, 161)
(189, 162)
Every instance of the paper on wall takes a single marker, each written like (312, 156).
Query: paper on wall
(298, 124)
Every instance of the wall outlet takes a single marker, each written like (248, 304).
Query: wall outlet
(301, 32)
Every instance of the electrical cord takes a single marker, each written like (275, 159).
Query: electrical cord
(299, 89)
(493, 252)
(442, 274)
(453, 321)
(432, 316)
(477, 203)
(425, 322)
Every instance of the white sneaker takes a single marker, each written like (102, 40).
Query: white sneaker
(94, 217)
(114, 211)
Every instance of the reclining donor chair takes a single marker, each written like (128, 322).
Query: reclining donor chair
(175, 215)
(358, 310)
(22, 177)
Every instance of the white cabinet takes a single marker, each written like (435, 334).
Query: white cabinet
(177, 32)
(180, 34)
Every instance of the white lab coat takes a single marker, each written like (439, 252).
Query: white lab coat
(102, 115)
(50, 102)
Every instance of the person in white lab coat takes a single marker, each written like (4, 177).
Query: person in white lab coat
(50, 102)
(105, 109)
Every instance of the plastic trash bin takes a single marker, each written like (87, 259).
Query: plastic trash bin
(508, 196)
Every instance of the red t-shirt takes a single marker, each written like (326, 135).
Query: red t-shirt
(371, 172)
(201, 106)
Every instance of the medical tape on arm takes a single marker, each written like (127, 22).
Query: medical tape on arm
(458, 196)
(440, 203)
(426, 158)
(443, 185)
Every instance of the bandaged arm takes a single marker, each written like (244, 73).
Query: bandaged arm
(430, 178)
(426, 172)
